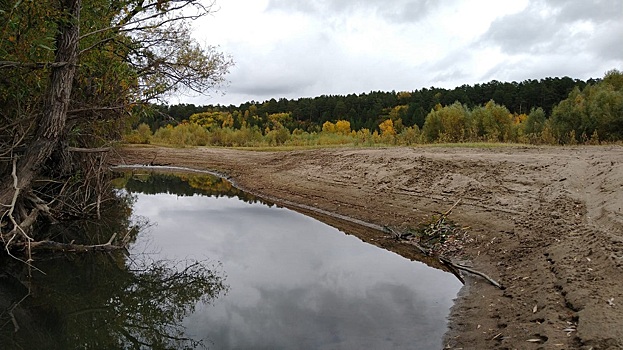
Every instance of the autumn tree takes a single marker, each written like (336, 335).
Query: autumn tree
(328, 127)
(72, 71)
(594, 110)
(342, 127)
(493, 122)
(387, 128)
(449, 123)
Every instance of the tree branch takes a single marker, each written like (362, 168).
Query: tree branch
(31, 65)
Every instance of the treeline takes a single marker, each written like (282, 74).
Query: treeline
(551, 110)
(366, 110)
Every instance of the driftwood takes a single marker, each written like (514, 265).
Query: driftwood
(437, 229)
(456, 266)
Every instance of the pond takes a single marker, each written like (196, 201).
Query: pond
(250, 275)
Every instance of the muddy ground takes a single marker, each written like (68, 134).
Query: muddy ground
(547, 223)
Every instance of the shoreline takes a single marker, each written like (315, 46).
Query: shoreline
(538, 216)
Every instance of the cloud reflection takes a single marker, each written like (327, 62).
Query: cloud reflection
(296, 282)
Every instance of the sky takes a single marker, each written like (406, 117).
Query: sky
(301, 48)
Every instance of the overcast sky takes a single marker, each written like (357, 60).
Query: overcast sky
(302, 48)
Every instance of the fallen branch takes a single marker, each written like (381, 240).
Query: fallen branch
(71, 247)
(448, 262)
(399, 236)
(452, 207)
(89, 150)
(436, 230)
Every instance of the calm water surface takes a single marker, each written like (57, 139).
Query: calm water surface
(216, 265)
(294, 282)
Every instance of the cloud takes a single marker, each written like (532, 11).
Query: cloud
(554, 26)
(391, 10)
(296, 48)
(606, 42)
(596, 11)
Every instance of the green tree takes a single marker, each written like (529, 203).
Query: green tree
(535, 122)
(595, 110)
(447, 123)
(492, 122)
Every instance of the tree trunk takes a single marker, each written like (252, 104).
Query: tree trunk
(52, 122)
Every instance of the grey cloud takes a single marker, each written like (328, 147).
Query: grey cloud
(408, 11)
(282, 70)
(580, 66)
(391, 10)
(521, 32)
(452, 68)
(597, 11)
(607, 42)
(530, 31)
(272, 89)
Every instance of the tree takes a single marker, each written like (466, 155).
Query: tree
(595, 110)
(446, 123)
(492, 122)
(69, 95)
(342, 127)
(535, 122)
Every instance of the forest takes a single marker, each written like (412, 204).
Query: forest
(545, 111)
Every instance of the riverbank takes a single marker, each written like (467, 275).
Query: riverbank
(545, 222)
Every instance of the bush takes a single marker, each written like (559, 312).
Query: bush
(141, 135)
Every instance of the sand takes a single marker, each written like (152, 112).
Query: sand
(545, 222)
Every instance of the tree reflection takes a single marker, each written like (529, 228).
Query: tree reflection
(96, 301)
(181, 185)
(102, 300)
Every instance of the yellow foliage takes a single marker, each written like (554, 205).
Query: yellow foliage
(328, 127)
(519, 118)
(278, 120)
(387, 127)
(342, 127)
(398, 112)
(228, 121)
(404, 95)
(210, 120)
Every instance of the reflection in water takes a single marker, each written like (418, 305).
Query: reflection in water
(102, 301)
(295, 283)
(292, 281)
(181, 185)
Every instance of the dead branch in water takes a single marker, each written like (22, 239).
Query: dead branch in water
(53, 246)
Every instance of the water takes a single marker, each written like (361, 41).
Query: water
(215, 267)
(296, 282)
